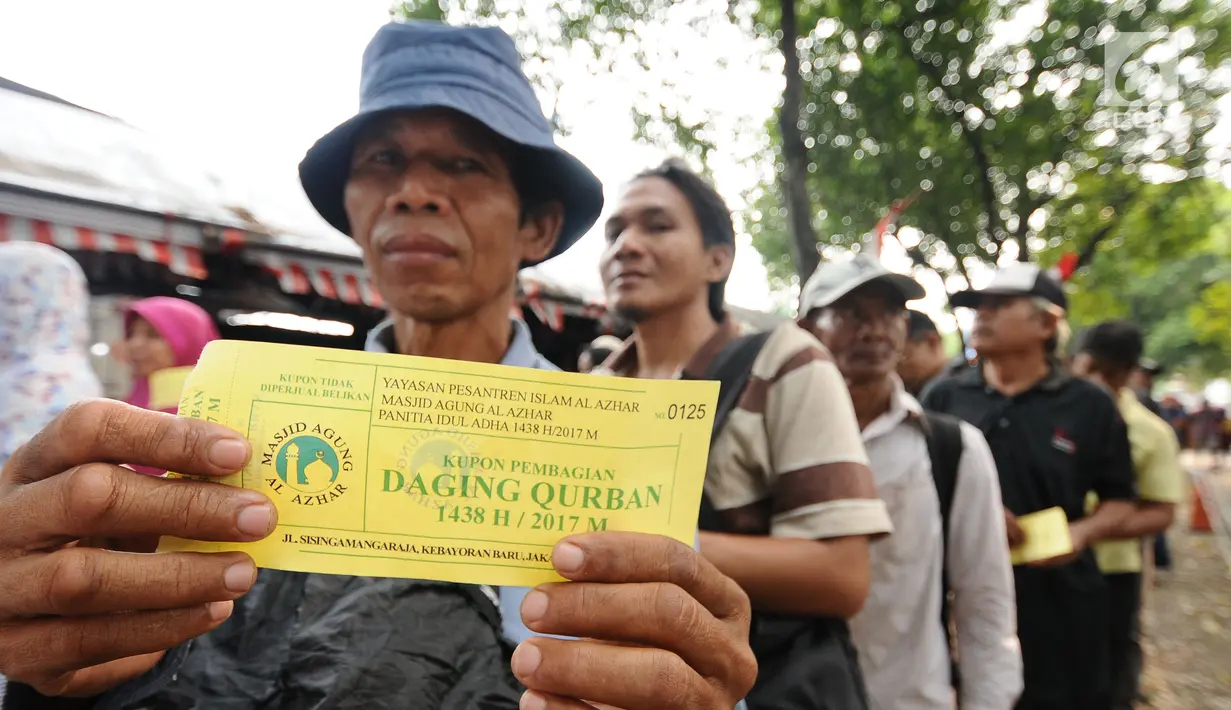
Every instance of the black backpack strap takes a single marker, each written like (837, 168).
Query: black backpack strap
(944, 439)
(732, 368)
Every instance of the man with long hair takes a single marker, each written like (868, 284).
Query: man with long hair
(793, 501)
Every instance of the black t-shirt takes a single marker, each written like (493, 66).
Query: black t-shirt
(953, 368)
(1052, 443)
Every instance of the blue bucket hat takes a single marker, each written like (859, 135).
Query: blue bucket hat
(472, 70)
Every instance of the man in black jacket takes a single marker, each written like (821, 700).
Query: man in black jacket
(449, 180)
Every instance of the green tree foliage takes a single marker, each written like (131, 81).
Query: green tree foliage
(1163, 261)
(993, 113)
(989, 112)
(609, 36)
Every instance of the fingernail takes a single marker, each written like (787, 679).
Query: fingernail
(534, 606)
(220, 610)
(229, 454)
(525, 660)
(255, 520)
(239, 577)
(567, 557)
(531, 700)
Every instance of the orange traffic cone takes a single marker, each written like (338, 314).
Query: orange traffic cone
(1199, 521)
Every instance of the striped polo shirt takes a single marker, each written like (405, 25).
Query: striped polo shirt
(790, 461)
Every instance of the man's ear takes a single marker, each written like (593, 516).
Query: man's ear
(719, 260)
(540, 231)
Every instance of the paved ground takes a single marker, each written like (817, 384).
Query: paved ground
(1188, 616)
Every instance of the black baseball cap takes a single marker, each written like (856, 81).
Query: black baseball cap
(1015, 280)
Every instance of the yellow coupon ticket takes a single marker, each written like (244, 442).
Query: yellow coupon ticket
(396, 466)
(1047, 536)
(167, 387)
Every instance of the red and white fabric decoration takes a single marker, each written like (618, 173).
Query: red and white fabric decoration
(180, 258)
(339, 279)
(876, 239)
(331, 279)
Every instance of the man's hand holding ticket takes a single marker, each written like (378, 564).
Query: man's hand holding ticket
(395, 466)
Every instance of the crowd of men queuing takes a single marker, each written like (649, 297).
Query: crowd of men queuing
(861, 501)
(1204, 427)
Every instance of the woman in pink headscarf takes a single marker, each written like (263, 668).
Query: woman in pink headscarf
(160, 333)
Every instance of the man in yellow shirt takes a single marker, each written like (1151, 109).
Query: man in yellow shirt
(1107, 355)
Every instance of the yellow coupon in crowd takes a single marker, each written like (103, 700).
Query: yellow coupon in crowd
(167, 386)
(1047, 536)
(396, 466)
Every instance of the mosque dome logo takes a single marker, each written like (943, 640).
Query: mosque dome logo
(307, 464)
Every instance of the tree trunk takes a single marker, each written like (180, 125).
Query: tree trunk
(1086, 255)
(794, 154)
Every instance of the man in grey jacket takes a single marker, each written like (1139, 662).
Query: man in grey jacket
(449, 179)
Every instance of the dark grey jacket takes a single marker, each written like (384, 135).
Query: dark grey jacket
(318, 642)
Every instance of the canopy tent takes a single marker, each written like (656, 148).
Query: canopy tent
(84, 181)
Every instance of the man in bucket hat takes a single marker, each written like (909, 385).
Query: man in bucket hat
(449, 180)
